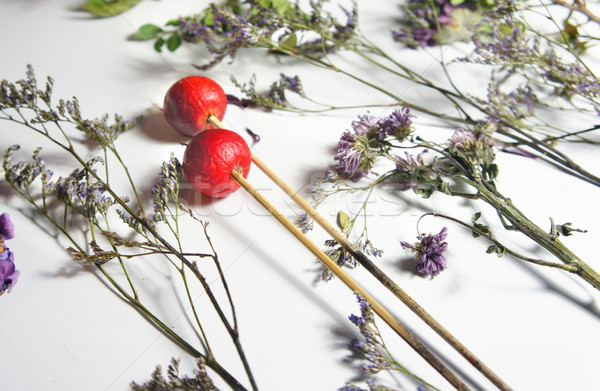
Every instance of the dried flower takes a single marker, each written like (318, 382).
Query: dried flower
(174, 381)
(474, 148)
(398, 125)
(369, 345)
(409, 170)
(430, 252)
(355, 157)
(166, 190)
(274, 97)
(359, 148)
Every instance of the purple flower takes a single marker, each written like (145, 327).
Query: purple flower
(573, 77)
(397, 124)
(292, 83)
(354, 156)
(7, 229)
(445, 11)
(405, 168)
(8, 274)
(463, 139)
(191, 28)
(423, 36)
(429, 252)
(357, 320)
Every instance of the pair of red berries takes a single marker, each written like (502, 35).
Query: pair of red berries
(212, 153)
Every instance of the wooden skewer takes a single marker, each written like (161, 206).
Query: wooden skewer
(377, 272)
(354, 286)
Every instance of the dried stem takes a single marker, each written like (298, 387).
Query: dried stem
(579, 6)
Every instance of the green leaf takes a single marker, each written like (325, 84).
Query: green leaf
(173, 42)
(456, 2)
(173, 22)
(424, 192)
(209, 18)
(265, 3)
(289, 43)
(566, 230)
(281, 6)
(496, 249)
(147, 32)
(107, 8)
(475, 217)
(343, 221)
(481, 228)
(159, 44)
(443, 186)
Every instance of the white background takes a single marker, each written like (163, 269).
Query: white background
(62, 328)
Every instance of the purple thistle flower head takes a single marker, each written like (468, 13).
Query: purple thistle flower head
(354, 156)
(364, 124)
(430, 252)
(8, 273)
(7, 229)
(405, 167)
(461, 138)
(398, 124)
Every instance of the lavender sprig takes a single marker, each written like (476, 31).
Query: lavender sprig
(226, 28)
(371, 348)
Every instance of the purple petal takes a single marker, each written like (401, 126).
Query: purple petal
(7, 229)
(8, 276)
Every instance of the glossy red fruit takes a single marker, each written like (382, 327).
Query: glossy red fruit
(209, 159)
(190, 101)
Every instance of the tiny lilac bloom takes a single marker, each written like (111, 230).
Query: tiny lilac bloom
(429, 252)
(7, 229)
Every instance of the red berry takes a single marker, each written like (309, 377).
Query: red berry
(209, 159)
(190, 101)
